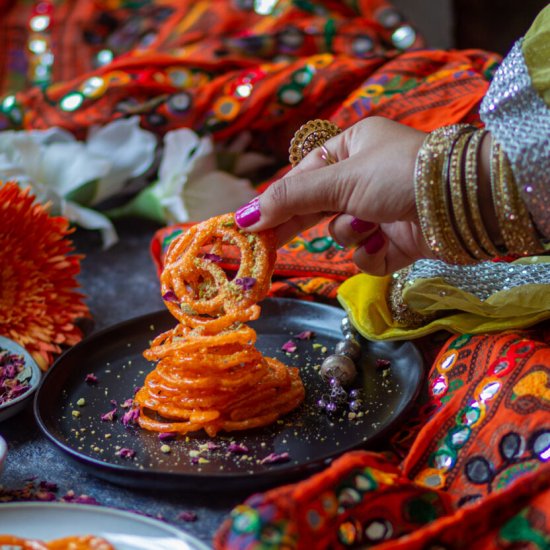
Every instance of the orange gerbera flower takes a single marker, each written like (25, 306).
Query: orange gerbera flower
(38, 303)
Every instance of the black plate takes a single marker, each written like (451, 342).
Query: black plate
(309, 436)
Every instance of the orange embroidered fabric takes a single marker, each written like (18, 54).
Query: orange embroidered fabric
(220, 67)
(475, 473)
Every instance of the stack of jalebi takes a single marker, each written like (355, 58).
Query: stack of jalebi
(209, 374)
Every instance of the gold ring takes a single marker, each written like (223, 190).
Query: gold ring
(311, 135)
(326, 156)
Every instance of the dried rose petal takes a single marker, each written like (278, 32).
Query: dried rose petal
(246, 283)
(237, 448)
(383, 363)
(212, 257)
(167, 436)
(69, 496)
(128, 403)
(187, 516)
(11, 367)
(91, 378)
(131, 416)
(275, 458)
(82, 499)
(211, 446)
(10, 371)
(86, 499)
(136, 389)
(18, 390)
(108, 416)
(45, 496)
(289, 346)
(195, 460)
(126, 453)
(305, 335)
(48, 485)
(170, 296)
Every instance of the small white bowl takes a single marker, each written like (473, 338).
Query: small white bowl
(15, 405)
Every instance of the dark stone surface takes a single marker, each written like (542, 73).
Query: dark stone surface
(120, 283)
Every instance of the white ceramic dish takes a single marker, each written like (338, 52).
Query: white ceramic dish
(15, 405)
(124, 530)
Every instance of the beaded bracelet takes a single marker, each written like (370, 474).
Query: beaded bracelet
(431, 175)
(400, 311)
(514, 221)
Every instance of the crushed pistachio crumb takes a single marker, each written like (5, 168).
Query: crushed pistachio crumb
(81, 402)
(76, 414)
(165, 448)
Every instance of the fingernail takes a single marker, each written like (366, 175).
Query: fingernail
(361, 226)
(374, 243)
(248, 214)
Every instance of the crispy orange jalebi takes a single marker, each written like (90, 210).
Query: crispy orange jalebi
(205, 297)
(209, 374)
(86, 542)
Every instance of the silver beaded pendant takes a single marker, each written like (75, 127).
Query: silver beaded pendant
(340, 371)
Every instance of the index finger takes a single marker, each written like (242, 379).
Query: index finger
(310, 188)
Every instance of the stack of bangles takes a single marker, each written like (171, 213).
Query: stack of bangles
(448, 205)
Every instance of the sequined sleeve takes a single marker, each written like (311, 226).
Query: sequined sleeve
(516, 111)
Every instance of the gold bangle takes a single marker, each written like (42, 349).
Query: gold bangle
(471, 176)
(430, 194)
(459, 206)
(515, 223)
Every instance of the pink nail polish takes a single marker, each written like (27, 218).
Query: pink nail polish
(248, 214)
(374, 243)
(361, 226)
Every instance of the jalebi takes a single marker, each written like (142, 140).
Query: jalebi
(85, 542)
(209, 374)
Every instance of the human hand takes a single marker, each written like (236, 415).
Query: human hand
(371, 188)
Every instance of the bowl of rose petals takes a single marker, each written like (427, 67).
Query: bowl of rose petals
(19, 377)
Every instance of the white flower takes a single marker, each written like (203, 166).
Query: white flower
(189, 186)
(67, 172)
(130, 150)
